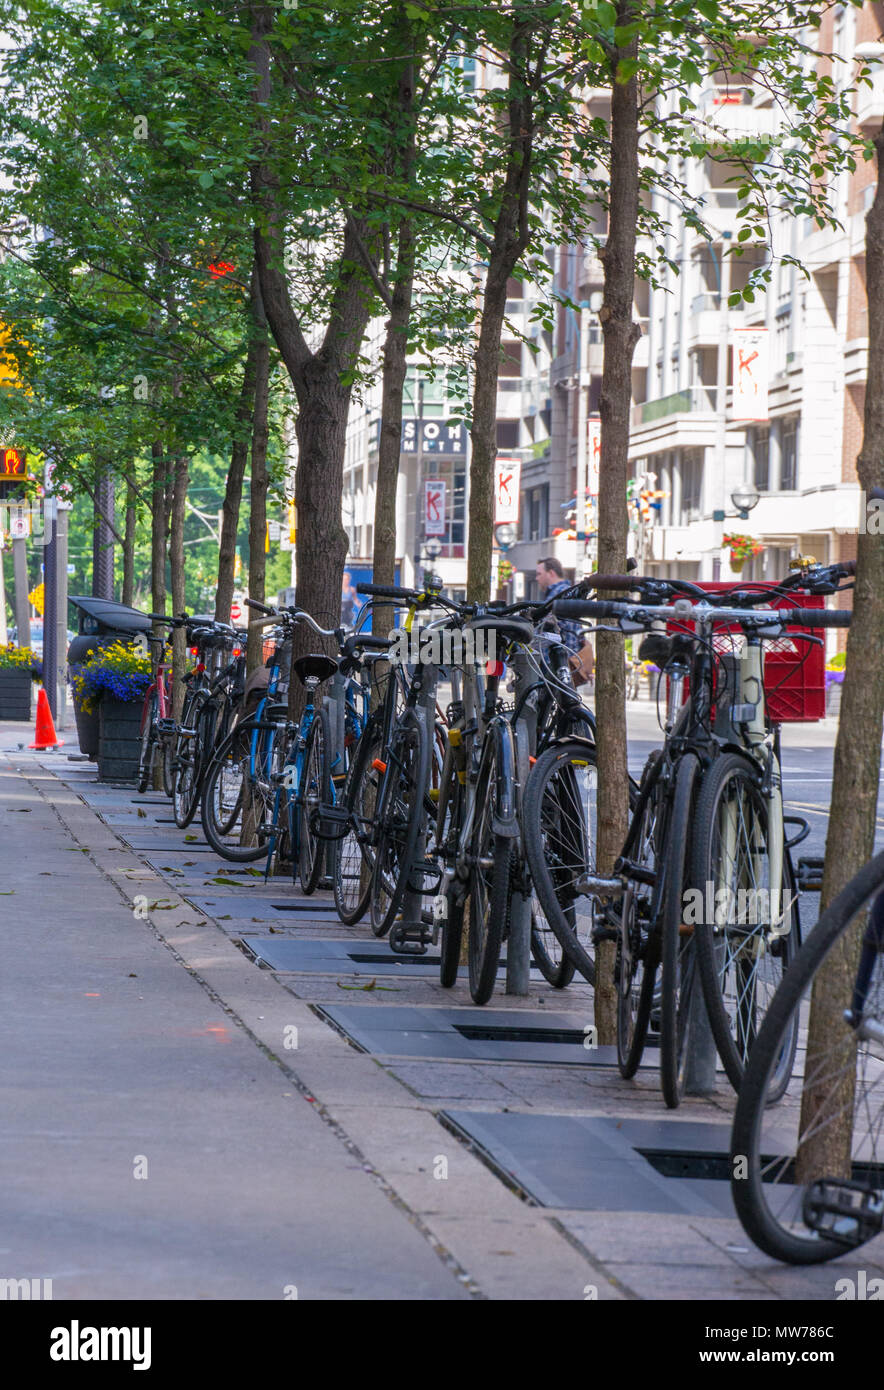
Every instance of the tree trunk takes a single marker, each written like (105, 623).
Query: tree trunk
(176, 565)
(620, 337)
(852, 816)
(395, 366)
(239, 453)
(258, 485)
(102, 536)
(158, 516)
(511, 237)
(129, 549)
(321, 379)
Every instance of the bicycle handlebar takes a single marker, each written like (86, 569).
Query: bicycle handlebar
(581, 609)
(259, 607)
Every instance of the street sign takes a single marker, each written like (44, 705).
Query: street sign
(506, 490)
(434, 507)
(751, 373)
(274, 528)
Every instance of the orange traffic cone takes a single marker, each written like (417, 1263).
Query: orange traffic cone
(44, 735)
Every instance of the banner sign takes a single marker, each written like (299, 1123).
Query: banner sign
(593, 456)
(434, 507)
(434, 437)
(751, 373)
(506, 490)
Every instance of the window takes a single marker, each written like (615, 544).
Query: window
(508, 434)
(759, 445)
(511, 359)
(691, 484)
(789, 455)
(535, 517)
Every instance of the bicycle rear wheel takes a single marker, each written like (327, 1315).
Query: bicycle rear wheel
(353, 853)
(148, 744)
(559, 828)
(808, 1173)
(678, 956)
(491, 860)
(638, 939)
(400, 818)
(315, 791)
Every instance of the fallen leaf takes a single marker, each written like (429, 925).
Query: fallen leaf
(161, 906)
(9, 893)
(142, 814)
(191, 839)
(132, 975)
(228, 882)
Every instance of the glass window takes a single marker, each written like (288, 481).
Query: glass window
(789, 455)
(691, 484)
(508, 434)
(759, 443)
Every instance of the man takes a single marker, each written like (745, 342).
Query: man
(551, 582)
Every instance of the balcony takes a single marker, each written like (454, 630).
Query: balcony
(870, 102)
(692, 400)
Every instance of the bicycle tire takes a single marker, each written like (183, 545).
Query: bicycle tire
(730, 807)
(353, 858)
(559, 831)
(190, 771)
(492, 861)
(236, 746)
(148, 744)
(767, 1187)
(449, 816)
(678, 958)
(400, 815)
(315, 790)
(168, 768)
(556, 967)
(638, 952)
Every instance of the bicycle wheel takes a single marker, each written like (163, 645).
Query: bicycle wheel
(449, 818)
(556, 967)
(148, 744)
(491, 861)
(808, 1173)
(240, 838)
(559, 828)
(187, 757)
(315, 790)
(678, 956)
(400, 818)
(743, 948)
(638, 940)
(353, 855)
(168, 766)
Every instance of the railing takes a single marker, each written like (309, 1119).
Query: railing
(691, 400)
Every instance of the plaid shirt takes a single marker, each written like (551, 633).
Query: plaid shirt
(572, 633)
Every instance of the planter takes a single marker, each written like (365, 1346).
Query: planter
(15, 695)
(119, 742)
(737, 564)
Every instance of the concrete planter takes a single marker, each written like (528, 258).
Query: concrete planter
(15, 695)
(119, 740)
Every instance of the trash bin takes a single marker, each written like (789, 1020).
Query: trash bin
(101, 622)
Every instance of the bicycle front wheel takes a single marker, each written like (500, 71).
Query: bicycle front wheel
(353, 853)
(808, 1173)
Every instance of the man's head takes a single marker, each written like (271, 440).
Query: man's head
(549, 572)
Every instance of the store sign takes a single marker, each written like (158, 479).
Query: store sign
(751, 373)
(435, 437)
(506, 490)
(434, 507)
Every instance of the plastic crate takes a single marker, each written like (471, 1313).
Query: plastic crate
(794, 671)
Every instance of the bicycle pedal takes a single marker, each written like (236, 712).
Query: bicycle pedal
(410, 939)
(424, 871)
(847, 1212)
(604, 934)
(330, 822)
(810, 874)
(166, 726)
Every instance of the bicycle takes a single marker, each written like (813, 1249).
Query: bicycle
(654, 872)
(158, 728)
(207, 712)
(808, 1172)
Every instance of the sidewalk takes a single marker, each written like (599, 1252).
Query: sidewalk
(347, 1173)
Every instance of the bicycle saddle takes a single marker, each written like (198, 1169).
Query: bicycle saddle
(314, 666)
(510, 629)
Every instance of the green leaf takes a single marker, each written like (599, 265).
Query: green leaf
(206, 179)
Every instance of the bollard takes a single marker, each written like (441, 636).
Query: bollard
(518, 949)
(702, 1052)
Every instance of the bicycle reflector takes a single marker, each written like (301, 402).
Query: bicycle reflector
(494, 668)
(194, 651)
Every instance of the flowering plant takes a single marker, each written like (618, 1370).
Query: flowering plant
(20, 659)
(118, 672)
(742, 547)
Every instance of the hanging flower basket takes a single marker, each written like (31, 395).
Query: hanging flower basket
(742, 548)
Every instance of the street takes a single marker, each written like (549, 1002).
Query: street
(215, 1090)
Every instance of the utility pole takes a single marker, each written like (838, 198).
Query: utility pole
(582, 440)
(20, 583)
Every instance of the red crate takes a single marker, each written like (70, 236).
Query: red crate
(794, 671)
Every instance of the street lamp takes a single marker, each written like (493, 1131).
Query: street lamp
(744, 498)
